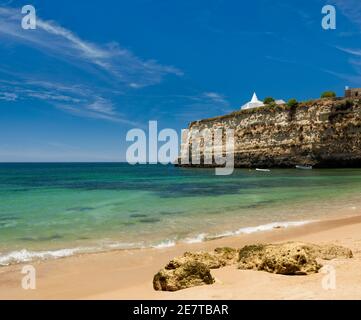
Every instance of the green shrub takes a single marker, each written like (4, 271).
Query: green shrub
(292, 103)
(328, 94)
(268, 100)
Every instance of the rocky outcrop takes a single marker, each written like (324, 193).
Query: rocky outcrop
(193, 269)
(227, 254)
(320, 133)
(186, 275)
(220, 257)
(330, 252)
(293, 258)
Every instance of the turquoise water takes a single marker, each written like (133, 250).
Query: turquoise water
(60, 209)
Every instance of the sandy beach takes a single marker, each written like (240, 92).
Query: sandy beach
(128, 274)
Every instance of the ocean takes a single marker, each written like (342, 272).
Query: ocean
(51, 210)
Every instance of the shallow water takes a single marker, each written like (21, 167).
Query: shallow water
(60, 209)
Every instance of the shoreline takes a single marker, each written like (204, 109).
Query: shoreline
(32, 256)
(128, 274)
(29, 256)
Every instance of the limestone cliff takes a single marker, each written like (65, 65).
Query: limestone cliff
(321, 133)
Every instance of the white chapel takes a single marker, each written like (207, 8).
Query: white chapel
(255, 103)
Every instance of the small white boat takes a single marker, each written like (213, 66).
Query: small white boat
(263, 170)
(304, 167)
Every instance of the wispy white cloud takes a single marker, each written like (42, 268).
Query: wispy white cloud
(8, 96)
(197, 106)
(355, 52)
(117, 62)
(113, 70)
(350, 78)
(78, 100)
(354, 59)
(102, 106)
(216, 97)
(52, 97)
(351, 9)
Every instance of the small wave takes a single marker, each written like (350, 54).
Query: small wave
(165, 244)
(123, 245)
(197, 239)
(262, 227)
(26, 256)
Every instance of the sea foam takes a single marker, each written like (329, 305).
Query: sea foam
(197, 239)
(262, 227)
(165, 244)
(26, 256)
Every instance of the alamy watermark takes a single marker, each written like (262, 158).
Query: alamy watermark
(329, 278)
(329, 20)
(28, 282)
(29, 20)
(210, 147)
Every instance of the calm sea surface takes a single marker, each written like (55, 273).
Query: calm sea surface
(55, 210)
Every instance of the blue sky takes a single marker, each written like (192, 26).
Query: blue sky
(92, 70)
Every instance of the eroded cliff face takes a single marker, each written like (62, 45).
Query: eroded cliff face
(321, 133)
